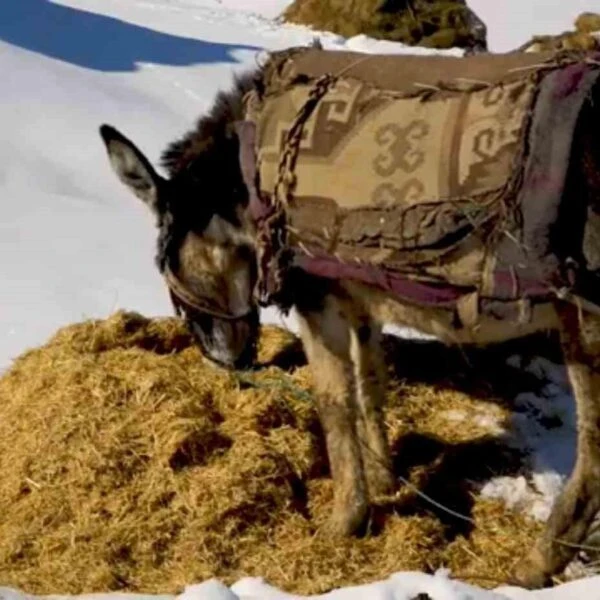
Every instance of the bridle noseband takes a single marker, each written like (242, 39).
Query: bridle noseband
(182, 298)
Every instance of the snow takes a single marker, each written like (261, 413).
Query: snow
(545, 427)
(75, 244)
(399, 586)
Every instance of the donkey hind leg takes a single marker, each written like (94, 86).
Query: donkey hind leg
(326, 339)
(370, 378)
(579, 502)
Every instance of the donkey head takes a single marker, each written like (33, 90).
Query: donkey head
(205, 239)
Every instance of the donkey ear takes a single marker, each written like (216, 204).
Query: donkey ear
(132, 167)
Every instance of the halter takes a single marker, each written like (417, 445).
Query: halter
(180, 295)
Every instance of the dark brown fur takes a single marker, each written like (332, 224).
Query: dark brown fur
(205, 232)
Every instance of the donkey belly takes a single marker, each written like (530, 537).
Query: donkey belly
(387, 309)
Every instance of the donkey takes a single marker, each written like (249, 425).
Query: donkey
(207, 238)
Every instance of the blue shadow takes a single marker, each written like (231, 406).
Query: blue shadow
(99, 42)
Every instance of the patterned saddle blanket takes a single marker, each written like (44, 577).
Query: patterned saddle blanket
(434, 178)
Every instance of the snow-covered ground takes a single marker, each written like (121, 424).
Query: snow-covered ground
(399, 586)
(75, 244)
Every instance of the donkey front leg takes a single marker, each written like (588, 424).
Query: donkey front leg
(370, 376)
(579, 502)
(326, 338)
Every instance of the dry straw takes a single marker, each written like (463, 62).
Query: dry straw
(128, 463)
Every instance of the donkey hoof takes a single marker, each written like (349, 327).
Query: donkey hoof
(348, 520)
(530, 575)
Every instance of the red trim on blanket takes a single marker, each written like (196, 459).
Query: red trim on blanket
(441, 295)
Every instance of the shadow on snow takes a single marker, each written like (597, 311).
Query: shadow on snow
(99, 42)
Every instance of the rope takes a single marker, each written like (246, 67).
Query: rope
(286, 179)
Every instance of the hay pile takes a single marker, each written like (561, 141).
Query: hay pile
(585, 36)
(430, 23)
(130, 464)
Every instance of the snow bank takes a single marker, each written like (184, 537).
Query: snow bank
(544, 425)
(400, 586)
